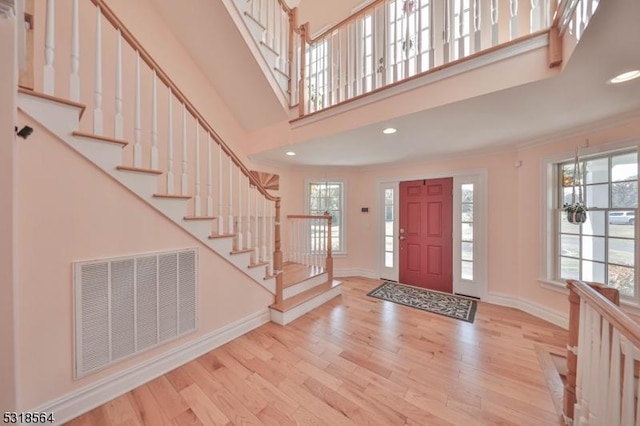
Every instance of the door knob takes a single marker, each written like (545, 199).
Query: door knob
(402, 237)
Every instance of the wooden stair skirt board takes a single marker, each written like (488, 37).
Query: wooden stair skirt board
(296, 306)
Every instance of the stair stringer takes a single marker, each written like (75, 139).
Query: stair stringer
(63, 119)
(265, 58)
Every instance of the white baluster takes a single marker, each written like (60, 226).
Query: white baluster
(272, 226)
(239, 221)
(118, 131)
(154, 122)
(184, 182)
(495, 30)
(220, 217)
(613, 403)
(265, 256)
(170, 177)
(603, 369)
(137, 119)
(461, 29)
(74, 78)
(197, 200)
(209, 178)
(594, 385)
(256, 235)
(477, 22)
(535, 16)
(446, 32)
(248, 230)
(97, 84)
(231, 224)
(513, 22)
(627, 384)
(49, 48)
(582, 356)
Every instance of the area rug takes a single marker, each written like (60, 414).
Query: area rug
(458, 307)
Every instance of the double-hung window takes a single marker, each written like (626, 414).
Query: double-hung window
(329, 197)
(603, 249)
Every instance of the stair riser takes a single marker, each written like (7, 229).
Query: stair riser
(284, 318)
(60, 118)
(305, 285)
(143, 185)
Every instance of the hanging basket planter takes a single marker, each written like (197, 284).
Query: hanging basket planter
(576, 210)
(577, 217)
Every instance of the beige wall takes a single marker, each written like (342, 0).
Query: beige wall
(514, 197)
(68, 210)
(8, 391)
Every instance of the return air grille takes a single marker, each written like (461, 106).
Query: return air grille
(124, 306)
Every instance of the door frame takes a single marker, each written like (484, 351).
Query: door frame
(479, 177)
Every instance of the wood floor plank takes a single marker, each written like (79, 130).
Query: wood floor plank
(358, 360)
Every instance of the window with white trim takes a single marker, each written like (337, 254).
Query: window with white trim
(328, 197)
(603, 249)
(466, 240)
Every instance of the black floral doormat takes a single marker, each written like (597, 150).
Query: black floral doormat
(458, 307)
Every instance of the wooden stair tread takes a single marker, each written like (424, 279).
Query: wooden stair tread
(305, 296)
(171, 196)
(295, 273)
(241, 251)
(100, 138)
(214, 236)
(200, 217)
(139, 170)
(257, 265)
(81, 107)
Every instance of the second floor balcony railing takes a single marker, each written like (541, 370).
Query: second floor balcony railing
(390, 41)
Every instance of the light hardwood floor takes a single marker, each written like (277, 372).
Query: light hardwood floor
(358, 360)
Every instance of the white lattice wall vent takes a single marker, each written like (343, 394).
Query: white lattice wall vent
(127, 305)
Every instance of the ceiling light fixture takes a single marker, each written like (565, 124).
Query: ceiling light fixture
(389, 130)
(625, 76)
(290, 153)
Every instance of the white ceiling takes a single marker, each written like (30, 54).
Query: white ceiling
(575, 98)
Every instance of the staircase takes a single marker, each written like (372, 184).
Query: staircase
(171, 158)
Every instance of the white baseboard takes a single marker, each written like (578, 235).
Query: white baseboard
(560, 319)
(355, 272)
(82, 400)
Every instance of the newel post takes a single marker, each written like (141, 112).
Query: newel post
(277, 256)
(303, 66)
(329, 250)
(569, 399)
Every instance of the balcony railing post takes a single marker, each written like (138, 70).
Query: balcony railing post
(303, 65)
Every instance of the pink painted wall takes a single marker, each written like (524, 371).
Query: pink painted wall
(8, 391)
(68, 210)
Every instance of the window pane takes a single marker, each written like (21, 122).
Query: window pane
(388, 228)
(566, 227)
(622, 278)
(621, 251)
(569, 268)
(388, 196)
(597, 196)
(597, 171)
(467, 270)
(467, 212)
(388, 213)
(624, 167)
(621, 224)
(594, 224)
(567, 175)
(624, 194)
(467, 251)
(570, 245)
(388, 243)
(467, 232)
(593, 271)
(467, 193)
(388, 260)
(593, 248)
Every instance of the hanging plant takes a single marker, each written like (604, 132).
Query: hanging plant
(576, 210)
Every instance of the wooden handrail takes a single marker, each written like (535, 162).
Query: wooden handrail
(146, 57)
(303, 216)
(608, 310)
(348, 19)
(285, 7)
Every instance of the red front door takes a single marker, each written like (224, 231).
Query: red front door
(426, 227)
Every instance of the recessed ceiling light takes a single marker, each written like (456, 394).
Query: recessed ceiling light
(625, 76)
(389, 130)
(290, 153)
